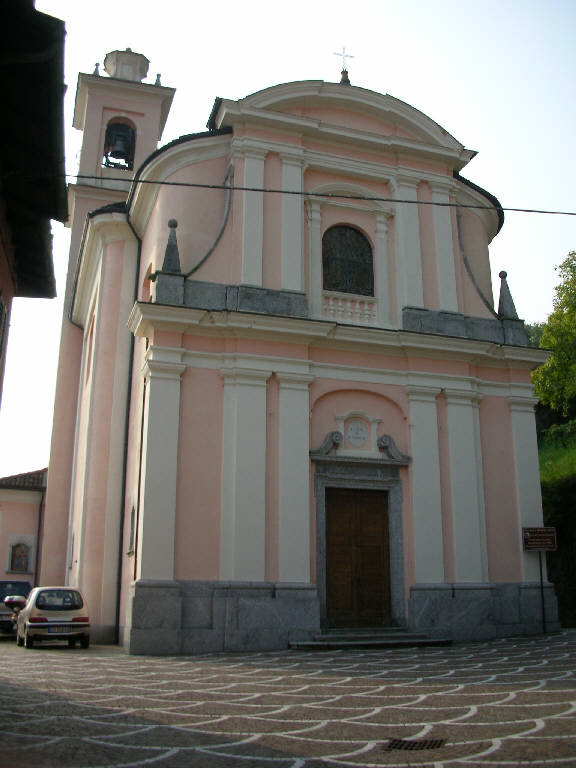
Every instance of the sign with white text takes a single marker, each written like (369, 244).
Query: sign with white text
(539, 539)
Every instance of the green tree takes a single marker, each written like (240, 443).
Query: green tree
(555, 381)
(534, 331)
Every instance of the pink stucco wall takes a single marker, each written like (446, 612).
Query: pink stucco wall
(502, 522)
(96, 477)
(476, 250)
(197, 540)
(199, 213)
(19, 518)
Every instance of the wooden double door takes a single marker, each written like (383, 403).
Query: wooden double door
(357, 558)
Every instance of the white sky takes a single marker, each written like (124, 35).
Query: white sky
(498, 75)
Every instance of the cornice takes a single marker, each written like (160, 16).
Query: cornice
(101, 230)
(100, 196)
(444, 186)
(248, 376)
(422, 394)
(466, 397)
(145, 318)
(109, 85)
(522, 403)
(419, 385)
(296, 381)
(244, 146)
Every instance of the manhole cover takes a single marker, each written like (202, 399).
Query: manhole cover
(413, 744)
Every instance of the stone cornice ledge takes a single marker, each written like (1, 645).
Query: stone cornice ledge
(146, 318)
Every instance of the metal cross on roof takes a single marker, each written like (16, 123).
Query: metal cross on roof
(344, 57)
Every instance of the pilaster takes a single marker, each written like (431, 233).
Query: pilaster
(444, 246)
(293, 477)
(315, 255)
(157, 515)
(292, 222)
(528, 491)
(252, 212)
(427, 501)
(466, 486)
(243, 542)
(407, 243)
(382, 270)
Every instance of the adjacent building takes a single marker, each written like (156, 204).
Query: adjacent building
(33, 186)
(21, 525)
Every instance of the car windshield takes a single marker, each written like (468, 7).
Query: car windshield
(59, 600)
(14, 588)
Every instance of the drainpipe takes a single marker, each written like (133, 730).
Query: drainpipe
(39, 528)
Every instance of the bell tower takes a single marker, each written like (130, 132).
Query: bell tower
(122, 119)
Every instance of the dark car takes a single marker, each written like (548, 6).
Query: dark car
(7, 626)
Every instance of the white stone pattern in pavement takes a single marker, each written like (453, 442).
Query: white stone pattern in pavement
(500, 703)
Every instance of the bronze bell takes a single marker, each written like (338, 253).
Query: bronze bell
(120, 143)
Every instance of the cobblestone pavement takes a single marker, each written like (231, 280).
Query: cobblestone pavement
(501, 703)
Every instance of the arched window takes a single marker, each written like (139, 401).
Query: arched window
(347, 264)
(119, 144)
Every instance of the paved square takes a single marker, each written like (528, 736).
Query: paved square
(501, 703)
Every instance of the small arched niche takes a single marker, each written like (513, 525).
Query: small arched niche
(119, 144)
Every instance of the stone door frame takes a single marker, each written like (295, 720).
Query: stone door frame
(381, 474)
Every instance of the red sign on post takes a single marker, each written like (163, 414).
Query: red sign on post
(539, 539)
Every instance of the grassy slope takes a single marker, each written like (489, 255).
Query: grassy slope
(558, 476)
(557, 462)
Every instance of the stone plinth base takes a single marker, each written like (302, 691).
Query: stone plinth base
(464, 612)
(208, 616)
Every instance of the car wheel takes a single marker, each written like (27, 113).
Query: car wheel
(28, 641)
(85, 641)
(19, 640)
(71, 642)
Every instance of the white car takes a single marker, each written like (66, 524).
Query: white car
(54, 613)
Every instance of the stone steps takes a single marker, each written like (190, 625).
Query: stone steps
(367, 638)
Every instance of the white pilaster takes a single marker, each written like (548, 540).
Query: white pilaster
(528, 491)
(427, 501)
(315, 255)
(382, 270)
(292, 223)
(444, 247)
(157, 515)
(253, 217)
(243, 535)
(407, 244)
(293, 478)
(466, 486)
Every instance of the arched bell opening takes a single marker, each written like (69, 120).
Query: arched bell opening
(119, 144)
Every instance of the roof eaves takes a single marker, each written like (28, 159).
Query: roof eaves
(211, 124)
(110, 208)
(491, 198)
(29, 481)
(166, 147)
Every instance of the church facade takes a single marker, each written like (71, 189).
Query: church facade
(285, 401)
